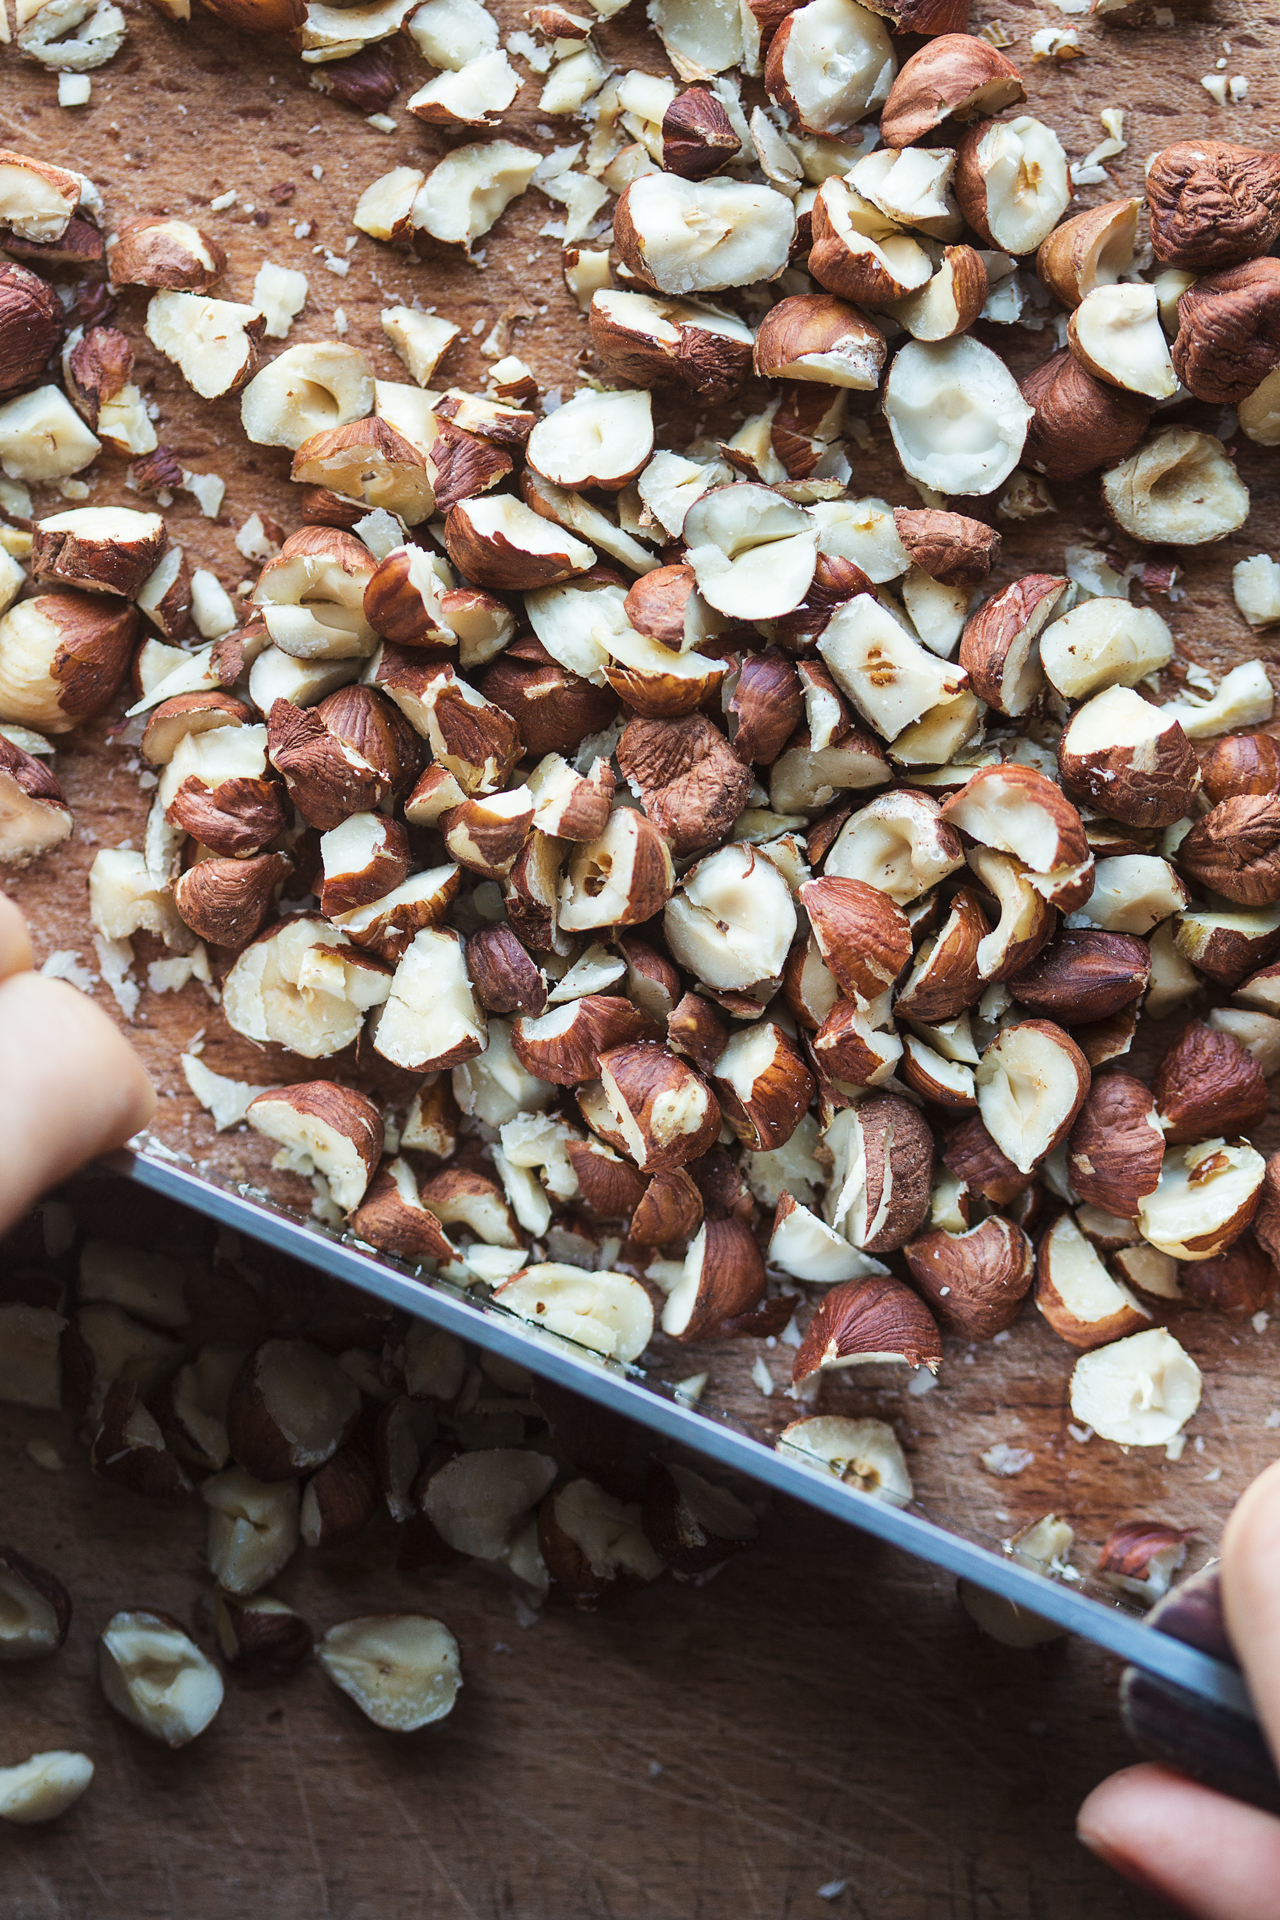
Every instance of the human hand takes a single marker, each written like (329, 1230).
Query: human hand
(71, 1085)
(1207, 1855)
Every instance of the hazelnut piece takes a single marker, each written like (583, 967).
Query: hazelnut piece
(1076, 1294)
(956, 76)
(1137, 1392)
(975, 1282)
(1078, 423)
(1207, 1196)
(1207, 1082)
(950, 548)
(1213, 203)
(1235, 850)
(1031, 1082)
(816, 336)
(1178, 489)
(154, 1674)
(863, 1454)
(31, 325)
(1116, 1147)
(1093, 249)
(1242, 763)
(1129, 759)
(869, 1321)
(1237, 1283)
(37, 1609)
(1229, 332)
(402, 1670)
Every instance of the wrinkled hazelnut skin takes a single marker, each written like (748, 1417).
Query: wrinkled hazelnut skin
(1235, 849)
(1213, 204)
(1229, 332)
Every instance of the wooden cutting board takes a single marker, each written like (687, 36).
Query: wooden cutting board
(813, 1717)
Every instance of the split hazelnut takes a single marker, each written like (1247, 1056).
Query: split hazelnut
(1129, 759)
(868, 1321)
(154, 1675)
(957, 76)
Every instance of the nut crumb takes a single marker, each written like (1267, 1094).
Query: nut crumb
(45, 1455)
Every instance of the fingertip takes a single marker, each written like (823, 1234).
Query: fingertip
(71, 1087)
(15, 942)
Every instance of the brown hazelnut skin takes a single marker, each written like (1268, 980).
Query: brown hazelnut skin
(1208, 1084)
(1080, 424)
(31, 325)
(1236, 1283)
(1229, 332)
(553, 708)
(1235, 849)
(1242, 763)
(1213, 203)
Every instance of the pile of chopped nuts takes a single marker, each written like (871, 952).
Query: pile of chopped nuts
(749, 892)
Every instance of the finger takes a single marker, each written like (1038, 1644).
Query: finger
(15, 947)
(70, 1086)
(1209, 1856)
(1251, 1594)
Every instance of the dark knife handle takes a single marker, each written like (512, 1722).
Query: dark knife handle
(1207, 1742)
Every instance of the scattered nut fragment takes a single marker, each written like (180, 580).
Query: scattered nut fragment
(1129, 759)
(817, 337)
(37, 1609)
(963, 381)
(403, 1670)
(1078, 423)
(956, 76)
(694, 1524)
(33, 324)
(34, 815)
(1092, 249)
(1207, 1082)
(873, 1320)
(1116, 335)
(1012, 182)
(63, 657)
(213, 343)
(253, 1528)
(257, 1630)
(1179, 489)
(863, 1454)
(1207, 1196)
(335, 1127)
(1139, 1392)
(43, 1787)
(153, 1673)
(684, 236)
(1234, 850)
(828, 96)
(1228, 337)
(165, 252)
(1141, 1557)
(1031, 1083)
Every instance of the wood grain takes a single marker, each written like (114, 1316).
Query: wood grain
(821, 1711)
